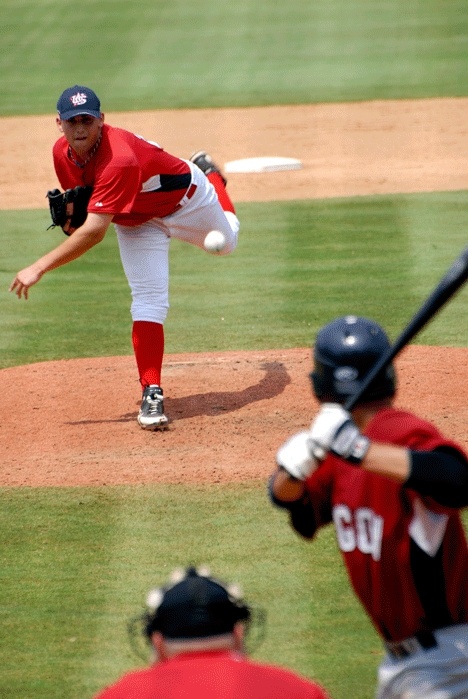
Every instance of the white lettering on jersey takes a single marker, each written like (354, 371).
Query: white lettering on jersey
(363, 530)
(369, 532)
(345, 533)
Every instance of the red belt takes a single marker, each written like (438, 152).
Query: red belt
(187, 196)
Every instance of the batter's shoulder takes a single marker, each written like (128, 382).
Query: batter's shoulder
(405, 428)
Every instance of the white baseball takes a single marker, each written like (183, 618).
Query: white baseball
(214, 242)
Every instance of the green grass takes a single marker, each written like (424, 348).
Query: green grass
(150, 55)
(298, 265)
(78, 563)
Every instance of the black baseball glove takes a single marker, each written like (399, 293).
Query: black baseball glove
(69, 209)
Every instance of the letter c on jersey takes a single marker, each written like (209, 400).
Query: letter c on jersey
(363, 530)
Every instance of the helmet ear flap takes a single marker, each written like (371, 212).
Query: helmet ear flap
(312, 382)
(318, 383)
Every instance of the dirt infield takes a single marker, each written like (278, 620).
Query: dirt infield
(229, 411)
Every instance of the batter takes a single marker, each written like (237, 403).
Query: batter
(393, 486)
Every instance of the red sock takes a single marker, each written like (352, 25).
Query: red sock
(148, 346)
(224, 198)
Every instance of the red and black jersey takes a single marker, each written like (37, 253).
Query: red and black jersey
(405, 553)
(132, 179)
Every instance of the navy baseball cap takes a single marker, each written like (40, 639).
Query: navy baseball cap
(196, 606)
(78, 100)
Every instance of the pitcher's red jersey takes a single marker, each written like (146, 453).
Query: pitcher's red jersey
(133, 179)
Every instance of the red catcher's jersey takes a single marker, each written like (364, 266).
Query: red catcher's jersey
(133, 179)
(377, 521)
(213, 675)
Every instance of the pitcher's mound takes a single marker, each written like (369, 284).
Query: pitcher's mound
(73, 422)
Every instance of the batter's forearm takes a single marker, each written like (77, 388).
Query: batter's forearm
(442, 475)
(289, 494)
(285, 488)
(388, 460)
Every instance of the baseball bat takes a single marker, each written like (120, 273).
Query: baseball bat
(453, 279)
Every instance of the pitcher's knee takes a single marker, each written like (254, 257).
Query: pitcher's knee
(231, 235)
(149, 312)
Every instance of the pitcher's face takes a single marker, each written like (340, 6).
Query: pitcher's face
(81, 132)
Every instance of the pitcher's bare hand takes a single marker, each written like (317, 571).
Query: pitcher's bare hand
(24, 279)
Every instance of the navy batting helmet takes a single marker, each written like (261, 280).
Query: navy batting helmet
(344, 352)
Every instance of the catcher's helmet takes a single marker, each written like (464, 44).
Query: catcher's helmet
(194, 605)
(345, 350)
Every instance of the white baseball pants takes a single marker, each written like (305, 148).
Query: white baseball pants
(144, 249)
(436, 673)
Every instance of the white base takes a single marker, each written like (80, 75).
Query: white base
(262, 164)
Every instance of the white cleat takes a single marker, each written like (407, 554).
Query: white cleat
(151, 415)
